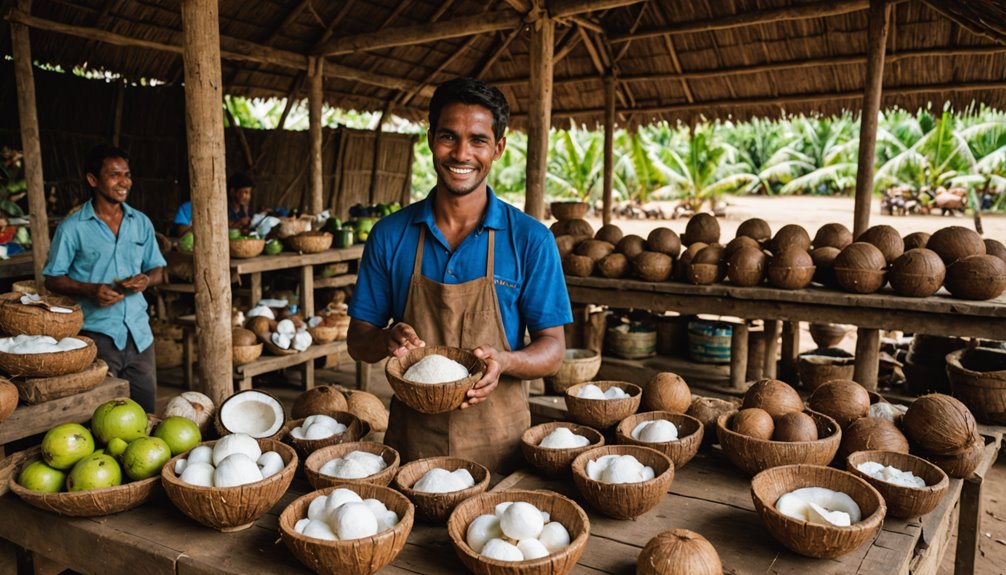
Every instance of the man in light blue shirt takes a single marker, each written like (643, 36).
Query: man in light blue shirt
(105, 255)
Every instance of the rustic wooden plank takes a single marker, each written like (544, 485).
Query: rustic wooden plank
(930, 551)
(287, 260)
(335, 281)
(29, 420)
(267, 363)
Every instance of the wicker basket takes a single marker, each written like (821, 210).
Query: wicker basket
(42, 389)
(813, 540)
(356, 428)
(710, 341)
(24, 287)
(624, 500)
(438, 397)
(355, 556)
(49, 364)
(436, 507)
(578, 366)
(569, 210)
(559, 508)
(230, 509)
(978, 379)
(962, 465)
(326, 334)
(292, 226)
(633, 344)
(755, 455)
(92, 503)
(824, 365)
(555, 461)
(246, 353)
(319, 458)
(246, 248)
(602, 413)
(682, 450)
(17, 318)
(903, 502)
(310, 242)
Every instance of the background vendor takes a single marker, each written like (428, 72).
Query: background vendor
(239, 191)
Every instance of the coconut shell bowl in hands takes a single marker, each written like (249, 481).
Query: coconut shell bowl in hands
(433, 397)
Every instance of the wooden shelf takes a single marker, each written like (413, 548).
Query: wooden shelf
(335, 281)
(28, 420)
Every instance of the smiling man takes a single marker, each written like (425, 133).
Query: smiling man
(463, 269)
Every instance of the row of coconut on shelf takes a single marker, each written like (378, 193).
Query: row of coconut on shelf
(271, 325)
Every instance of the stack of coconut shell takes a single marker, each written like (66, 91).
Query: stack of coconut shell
(943, 430)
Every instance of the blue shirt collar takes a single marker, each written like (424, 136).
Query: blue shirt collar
(495, 217)
(87, 210)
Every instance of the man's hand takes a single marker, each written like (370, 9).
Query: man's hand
(137, 283)
(496, 363)
(105, 295)
(401, 338)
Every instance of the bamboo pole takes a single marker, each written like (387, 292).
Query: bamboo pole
(539, 113)
(31, 146)
(876, 42)
(120, 96)
(315, 97)
(609, 147)
(207, 168)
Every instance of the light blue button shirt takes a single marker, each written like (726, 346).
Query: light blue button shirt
(85, 250)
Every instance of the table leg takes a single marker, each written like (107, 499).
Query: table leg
(772, 331)
(307, 374)
(969, 522)
(256, 288)
(362, 375)
(307, 291)
(867, 357)
(245, 383)
(188, 335)
(31, 563)
(739, 355)
(790, 349)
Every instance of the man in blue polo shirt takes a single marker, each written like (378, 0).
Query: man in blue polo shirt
(463, 269)
(105, 255)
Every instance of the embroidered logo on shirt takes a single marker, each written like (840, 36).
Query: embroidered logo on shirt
(505, 283)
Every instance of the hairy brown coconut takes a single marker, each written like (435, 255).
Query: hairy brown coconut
(631, 245)
(756, 229)
(859, 268)
(681, 269)
(790, 235)
(956, 242)
(594, 249)
(738, 243)
(667, 391)
(614, 265)
(995, 248)
(701, 227)
(843, 400)
(774, 396)
(369, 408)
(708, 410)
(707, 266)
(323, 400)
(8, 398)
(976, 277)
(746, 266)
(916, 240)
(824, 265)
(261, 326)
(576, 228)
(869, 433)
(886, 238)
(577, 265)
(940, 424)
(679, 552)
(792, 268)
(753, 422)
(919, 272)
(565, 244)
(795, 426)
(665, 241)
(609, 233)
(241, 336)
(652, 266)
(833, 235)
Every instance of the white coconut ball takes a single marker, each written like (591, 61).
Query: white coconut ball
(180, 466)
(615, 393)
(338, 497)
(198, 474)
(344, 469)
(201, 454)
(439, 480)
(236, 469)
(319, 530)
(554, 536)
(532, 549)
(270, 463)
(316, 510)
(387, 520)
(563, 438)
(656, 431)
(597, 466)
(521, 520)
(502, 551)
(482, 529)
(590, 391)
(236, 443)
(354, 520)
(300, 525)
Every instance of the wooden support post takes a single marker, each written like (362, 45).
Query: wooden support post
(867, 357)
(120, 97)
(609, 147)
(204, 128)
(876, 41)
(307, 289)
(256, 288)
(969, 524)
(31, 145)
(315, 98)
(739, 356)
(375, 165)
(790, 349)
(773, 329)
(539, 113)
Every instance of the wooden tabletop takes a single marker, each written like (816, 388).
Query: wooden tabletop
(288, 260)
(28, 420)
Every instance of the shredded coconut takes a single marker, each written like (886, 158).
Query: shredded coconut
(436, 368)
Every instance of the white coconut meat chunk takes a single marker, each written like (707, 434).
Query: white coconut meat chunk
(563, 438)
(435, 368)
(590, 391)
(252, 412)
(438, 480)
(236, 443)
(656, 431)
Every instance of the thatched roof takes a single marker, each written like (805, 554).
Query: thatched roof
(673, 59)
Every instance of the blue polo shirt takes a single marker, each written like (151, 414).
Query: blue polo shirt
(85, 250)
(183, 217)
(528, 275)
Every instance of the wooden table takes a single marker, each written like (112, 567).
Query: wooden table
(939, 314)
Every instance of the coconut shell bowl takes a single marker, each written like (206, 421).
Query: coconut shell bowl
(230, 509)
(315, 461)
(433, 397)
(437, 507)
(602, 413)
(559, 508)
(681, 450)
(354, 556)
(624, 500)
(356, 429)
(49, 364)
(578, 366)
(812, 539)
(752, 455)
(551, 461)
(903, 502)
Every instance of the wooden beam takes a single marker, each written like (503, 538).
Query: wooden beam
(316, 97)
(422, 33)
(609, 148)
(290, 17)
(497, 53)
(539, 108)
(876, 43)
(207, 169)
(567, 8)
(521, 6)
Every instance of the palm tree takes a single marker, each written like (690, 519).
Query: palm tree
(635, 174)
(575, 164)
(757, 141)
(822, 158)
(987, 142)
(934, 160)
(508, 177)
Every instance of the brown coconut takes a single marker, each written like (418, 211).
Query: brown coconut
(707, 266)
(565, 243)
(652, 266)
(824, 265)
(631, 245)
(833, 235)
(995, 248)
(792, 268)
(976, 278)
(916, 240)
(681, 269)
(843, 400)
(753, 422)
(774, 396)
(575, 228)
(886, 238)
(919, 272)
(746, 266)
(795, 426)
(702, 227)
(956, 242)
(369, 408)
(859, 268)
(667, 391)
(609, 233)
(738, 243)
(869, 433)
(756, 229)
(790, 235)
(614, 265)
(261, 326)
(708, 410)
(576, 265)
(8, 398)
(679, 552)
(320, 400)
(665, 241)
(940, 424)
(241, 336)
(594, 249)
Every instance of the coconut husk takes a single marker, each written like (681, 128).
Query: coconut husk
(756, 229)
(956, 242)
(230, 509)
(559, 508)
(274, 349)
(823, 365)
(653, 266)
(320, 457)
(774, 396)
(594, 249)
(565, 244)
(49, 364)
(860, 281)
(328, 334)
(578, 366)
(577, 227)
(916, 240)
(917, 273)
(631, 245)
(602, 414)
(667, 391)
(702, 227)
(707, 410)
(555, 461)
(754, 422)
(369, 408)
(685, 261)
(319, 400)
(246, 248)
(811, 539)
(978, 378)
(436, 507)
(8, 398)
(42, 389)
(439, 397)
(886, 238)
(995, 248)
(746, 266)
(872, 433)
(665, 241)
(356, 556)
(682, 450)
(976, 278)
(827, 335)
(243, 354)
(613, 266)
(609, 233)
(17, 318)
(577, 265)
(737, 243)
(569, 210)
(824, 264)
(679, 551)
(797, 277)
(754, 455)
(833, 235)
(356, 429)
(790, 236)
(903, 502)
(843, 400)
(940, 424)
(624, 500)
(962, 465)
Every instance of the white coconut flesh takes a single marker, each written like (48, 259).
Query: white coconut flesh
(343, 515)
(438, 480)
(253, 412)
(656, 431)
(819, 505)
(28, 344)
(563, 438)
(516, 531)
(435, 368)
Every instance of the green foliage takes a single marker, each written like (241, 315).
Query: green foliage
(13, 186)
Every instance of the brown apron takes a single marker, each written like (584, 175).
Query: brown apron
(463, 315)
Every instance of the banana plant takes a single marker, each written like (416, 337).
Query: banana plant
(575, 164)
(934, 160)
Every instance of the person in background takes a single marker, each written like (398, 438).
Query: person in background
(239, 191)
(183, 219)
(105, 255)
(464, 269)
